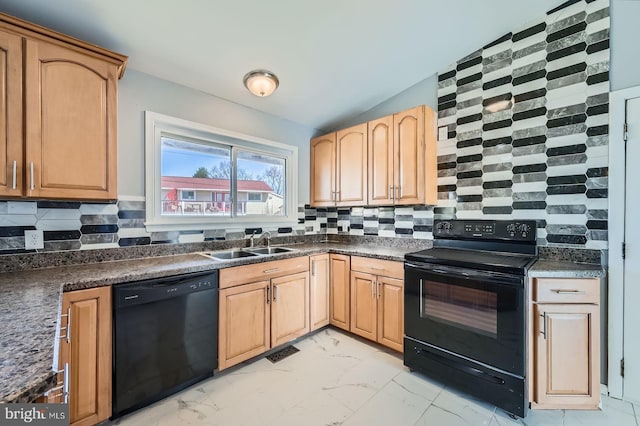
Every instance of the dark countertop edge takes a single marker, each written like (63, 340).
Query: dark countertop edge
(41, 384)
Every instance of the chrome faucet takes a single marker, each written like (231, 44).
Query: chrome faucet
(251, 238)
(267, 236)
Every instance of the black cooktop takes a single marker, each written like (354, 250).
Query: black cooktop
(506, 246)
(474, 259)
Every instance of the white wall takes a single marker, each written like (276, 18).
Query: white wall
(139, 92)
(625, 34)
(423, 92)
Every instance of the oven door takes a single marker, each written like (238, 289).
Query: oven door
(476, 314)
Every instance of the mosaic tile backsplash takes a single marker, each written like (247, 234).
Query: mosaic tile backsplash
(527, 124)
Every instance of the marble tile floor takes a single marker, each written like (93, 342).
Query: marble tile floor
(337, 379)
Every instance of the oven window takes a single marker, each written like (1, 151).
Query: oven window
(463, 307)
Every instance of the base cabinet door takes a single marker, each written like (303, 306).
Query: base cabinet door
(86, 348)
(289, 308)
(318, 291)
(567, 351)
(245, 323)
(363, 305)
(391, 312)
(339, 294)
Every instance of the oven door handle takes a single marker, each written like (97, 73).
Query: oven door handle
(494, 277)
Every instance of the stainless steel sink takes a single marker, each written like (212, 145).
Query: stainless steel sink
(269, 250)
(230, 254)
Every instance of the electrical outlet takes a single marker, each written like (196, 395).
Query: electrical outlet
(33, 239)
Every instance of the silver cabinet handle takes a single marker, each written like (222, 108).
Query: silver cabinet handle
(373, 289)
(268, 295)
(275, 293)
(15, 169)
(66, 381)
(379, 285)
(396, 192)
(268, 271)
(313, 268)
(390, 192)
(544, 325)
(32, 180)
(558, 291)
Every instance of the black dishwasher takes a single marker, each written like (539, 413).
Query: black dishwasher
(165, 337)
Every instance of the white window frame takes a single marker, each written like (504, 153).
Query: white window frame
(158, 125)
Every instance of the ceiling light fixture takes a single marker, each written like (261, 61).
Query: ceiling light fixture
(261, 82)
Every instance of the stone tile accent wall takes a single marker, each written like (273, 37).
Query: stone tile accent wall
(527, 124)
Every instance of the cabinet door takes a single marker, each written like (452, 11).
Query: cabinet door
(351, 166)
(11, 141)
(391, 312)
(289, 308)
(339, 293)
(364, 310)
(567, 364)
(408, 167)
(88, 352)
(323, 170)
(71, 111)
(319, 291)
(245, 323)
(381, 159)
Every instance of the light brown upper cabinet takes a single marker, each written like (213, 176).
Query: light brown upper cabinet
(339, 168)
(402, 158)
(58, 138)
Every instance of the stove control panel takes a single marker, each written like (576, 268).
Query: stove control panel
(524, 230)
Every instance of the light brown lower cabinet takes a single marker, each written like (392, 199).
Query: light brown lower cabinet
(318, 291)
(85, 346)
(339, 294)
(377, 301)
(258, 316)
(565, 334)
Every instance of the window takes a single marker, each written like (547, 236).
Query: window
(201, 177)
(188, 195)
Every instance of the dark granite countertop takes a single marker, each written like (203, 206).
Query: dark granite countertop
(30, 303)
(561, 269)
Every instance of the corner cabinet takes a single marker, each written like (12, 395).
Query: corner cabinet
(59, 137)
(318, 291)
(402, 158)
(339, 168)
(261, 306)
(85, 345)
(377, 301)
(565, 338)
(339, 293)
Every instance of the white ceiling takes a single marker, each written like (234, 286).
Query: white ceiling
(335, 58)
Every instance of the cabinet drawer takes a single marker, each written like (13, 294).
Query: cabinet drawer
(387, 268)
(230, 277)
(566, 290)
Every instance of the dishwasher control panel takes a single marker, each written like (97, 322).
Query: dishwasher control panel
(147, 291)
